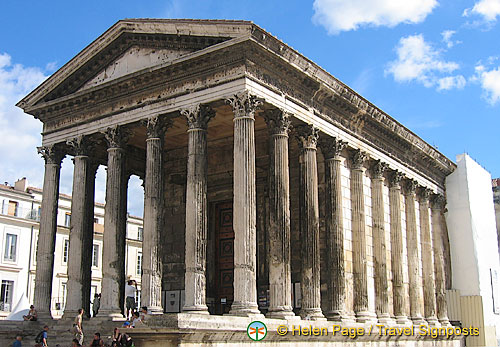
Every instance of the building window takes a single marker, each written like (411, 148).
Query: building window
(6, 295)
(140, 233)
(138, 270)
(65, 251)
(96, 220)
(10, 247)
(12, 208)
(67, 219)
(95, 255)
(138, 298)
(63, 298)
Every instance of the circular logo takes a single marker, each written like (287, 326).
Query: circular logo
(256, 331)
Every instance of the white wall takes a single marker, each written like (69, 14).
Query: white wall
(472, 233)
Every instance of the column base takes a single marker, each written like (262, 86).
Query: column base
(110, 314)
(418, 320)
(281, 312)
(195, 309)
(433, 321)
(155, 310)
(385, 318)
(339, 316)
(312, 314)
(245, 310)
(365, 317)
(403, 320)
(445, 322)
(44, 315)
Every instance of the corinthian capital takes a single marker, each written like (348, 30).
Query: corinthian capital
(395, 178)
(331, 147)
(378, 168)
(307, 136)
(438, 201)
(278, 121)
(198, 116)
(358, 158)
(116, 136)
(82, 145)
(156, 126)
(424, 194)
(410, 187)
(244, 104)
(52, 154)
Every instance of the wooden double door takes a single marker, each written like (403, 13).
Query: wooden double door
(224, 257)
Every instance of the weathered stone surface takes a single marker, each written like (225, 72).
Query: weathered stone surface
(53, 156)
(196, 209)
(334, 220)
(115, 216)
(280, 282)
(307, 137)
(244, 220)
(415, 285)
(380, 252)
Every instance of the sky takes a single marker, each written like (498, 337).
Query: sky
(433, 65)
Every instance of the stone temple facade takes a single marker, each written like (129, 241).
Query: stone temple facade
(262, 174)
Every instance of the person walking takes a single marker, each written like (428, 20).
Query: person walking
(17, 342)
(96, 304)
(130, 290)
(41, 338)
(77, 325)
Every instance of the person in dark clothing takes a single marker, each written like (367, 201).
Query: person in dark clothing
(97, 341)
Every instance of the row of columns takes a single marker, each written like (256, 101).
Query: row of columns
(244, 107)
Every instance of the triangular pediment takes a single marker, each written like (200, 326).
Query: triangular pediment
(134, 59)
(132, 45)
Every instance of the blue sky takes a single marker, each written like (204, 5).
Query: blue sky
(433, 65)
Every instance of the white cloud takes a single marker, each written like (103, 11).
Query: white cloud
(451, 82)
(488, 9)
(447, 34)
(345, 15)
(419, 61)
(490, 82)
(20, 133)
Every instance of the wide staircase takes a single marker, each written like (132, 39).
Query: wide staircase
(60, 331)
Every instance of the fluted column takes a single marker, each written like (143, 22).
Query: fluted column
(336, 308)
(196, 209)
(415, 287)
(153, 214)
(53, 156)
(427, 258)
(115, 219)
(244, 210)
(397, 265)
(360, 267)
(307, 136)
(80, 242)
(438, 202)
(379, 247)
(280, 278)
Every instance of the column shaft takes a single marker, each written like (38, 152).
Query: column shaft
(415, 286)
(153, 216)
(196, 209)
(309, 224)
(380, 251)
(336, 309)
(360, 268)
(80, 242)
(398, 287)
(48, 228)
(244, 220)
(280, 281)
(115, 219)
(439, 269)
(427, 259)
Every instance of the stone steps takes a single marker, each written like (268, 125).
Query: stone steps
(60, 331)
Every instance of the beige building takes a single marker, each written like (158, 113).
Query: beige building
(19, 228)
(273, 191)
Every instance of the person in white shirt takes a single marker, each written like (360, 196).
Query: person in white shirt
(130, 289)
